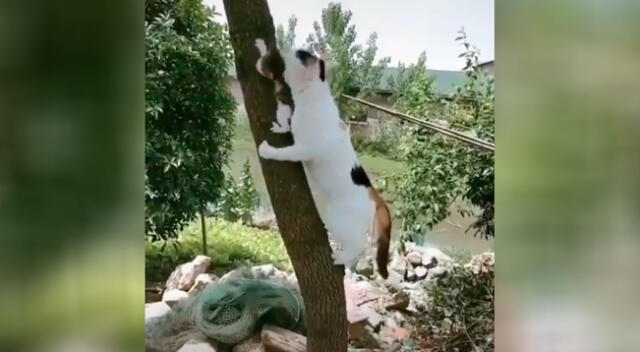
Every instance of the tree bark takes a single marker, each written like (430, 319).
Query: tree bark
(303, 233)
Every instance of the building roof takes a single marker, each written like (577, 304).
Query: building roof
(486, 63)
(445, 82)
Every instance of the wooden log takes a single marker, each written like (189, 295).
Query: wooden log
(277, 339)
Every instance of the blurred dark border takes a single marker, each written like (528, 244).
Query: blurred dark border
(71, 175)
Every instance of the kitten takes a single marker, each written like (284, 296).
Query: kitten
(353, 207)
(271, 65)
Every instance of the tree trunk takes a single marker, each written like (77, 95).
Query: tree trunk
(303, 233)
(204, 231)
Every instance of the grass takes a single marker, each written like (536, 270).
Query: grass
(229, 245)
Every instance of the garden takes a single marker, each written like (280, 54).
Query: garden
(211, 228)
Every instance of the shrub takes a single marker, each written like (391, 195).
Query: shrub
(230, 245)
(188, 113)
(239, 200)
(440, 170)
(460, 312)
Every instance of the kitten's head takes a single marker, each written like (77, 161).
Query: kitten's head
(302, 69)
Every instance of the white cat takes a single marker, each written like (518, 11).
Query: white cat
(353, 207)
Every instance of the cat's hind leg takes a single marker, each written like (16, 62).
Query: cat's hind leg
(349, 231)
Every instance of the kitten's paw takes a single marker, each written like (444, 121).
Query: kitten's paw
(277, 128)
(262, 47)
(265, 150)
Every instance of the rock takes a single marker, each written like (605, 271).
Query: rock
(184, 276)
(263, 271)
(198, 346)
(421, 272)
(152, 294)
(235, 275)
(414, 257)
(293, 281)
(201, 282)
(365, 268)
(411, 275)
(436, 272)
(484, 263)
(427, 253)
(394, 282)
(398, 301)
(366, 339)
(429, 262)
(172, 297)
(265, 220)
(356, 330)
(392, 333)
(398, 264)
(417, 296)
(374, 318)
(253, 344)
(157, 310)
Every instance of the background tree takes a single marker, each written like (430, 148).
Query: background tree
(239, 200)
(302, 230)
(189, 113)
(286, 39)
(406, 75)
(441, 170)
(355, 71)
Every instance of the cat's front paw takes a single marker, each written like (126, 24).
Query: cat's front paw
(265, 150)
(277, 128)
(262, 47)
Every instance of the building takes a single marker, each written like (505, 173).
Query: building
(488, 67)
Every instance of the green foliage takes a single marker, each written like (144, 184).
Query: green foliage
(230, 245)
(239, 200)
(189, 113)
(355, 69)
(406, 75)
(285, 39)
(440, 170)
(460, 313)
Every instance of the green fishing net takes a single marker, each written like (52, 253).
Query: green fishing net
(232, 312)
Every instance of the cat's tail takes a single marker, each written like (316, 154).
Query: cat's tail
(381, 230)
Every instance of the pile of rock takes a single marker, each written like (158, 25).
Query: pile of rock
(420, 263)
(187, 280)
(377, 309)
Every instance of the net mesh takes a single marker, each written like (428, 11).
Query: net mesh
(232, 312)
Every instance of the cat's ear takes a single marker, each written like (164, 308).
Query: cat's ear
(314, 67)
(327, 65)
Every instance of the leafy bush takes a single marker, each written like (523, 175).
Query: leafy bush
(440, 170)
(230, 245)
(239, 200)
(460, 313)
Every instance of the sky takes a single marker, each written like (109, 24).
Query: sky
(405, 27)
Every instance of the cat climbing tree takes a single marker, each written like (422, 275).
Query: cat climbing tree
(303, 233)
